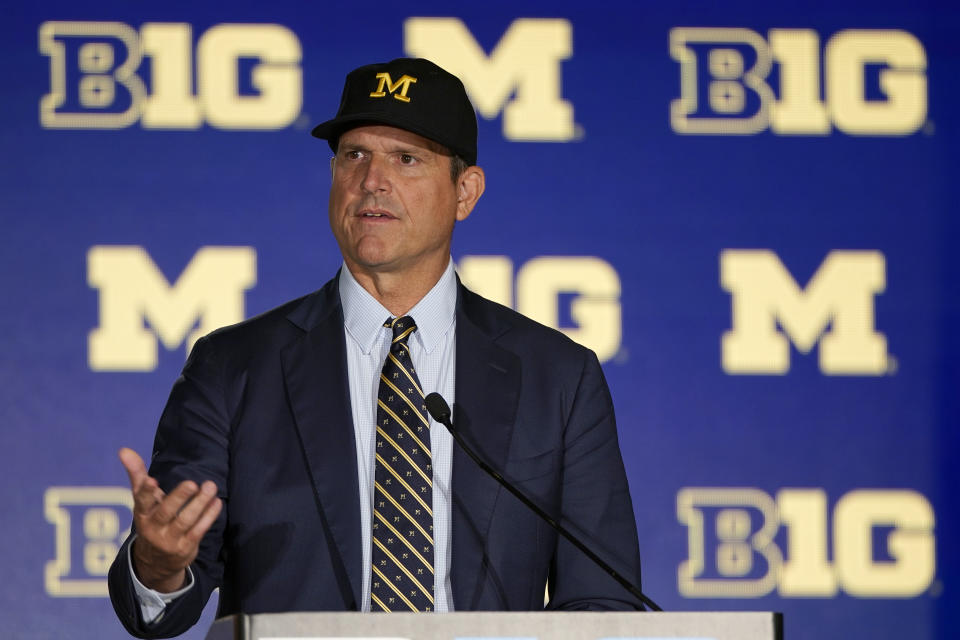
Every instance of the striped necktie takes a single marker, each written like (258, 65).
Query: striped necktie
(402, 574)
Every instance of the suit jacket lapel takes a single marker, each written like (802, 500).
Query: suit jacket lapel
(487, 395)
(319, 395)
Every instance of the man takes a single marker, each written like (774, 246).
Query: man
(295, 466)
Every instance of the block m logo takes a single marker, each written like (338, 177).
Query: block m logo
(134, 293)
(839, 295)
(385, 85)
(521, 76)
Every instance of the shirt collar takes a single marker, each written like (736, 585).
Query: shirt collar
(363, 315)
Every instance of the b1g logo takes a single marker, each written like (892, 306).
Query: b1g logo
(248, 76)
(874, 82)
(587, 287)
(883, 543)
(89, 523)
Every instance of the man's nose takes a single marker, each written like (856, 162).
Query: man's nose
(375, 176)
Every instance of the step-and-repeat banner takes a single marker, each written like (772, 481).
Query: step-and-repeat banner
(746, 209)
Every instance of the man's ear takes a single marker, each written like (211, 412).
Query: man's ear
(470, 187)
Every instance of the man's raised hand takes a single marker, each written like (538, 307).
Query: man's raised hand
(169, 526)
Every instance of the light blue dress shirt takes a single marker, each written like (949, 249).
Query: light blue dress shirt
(433, 350)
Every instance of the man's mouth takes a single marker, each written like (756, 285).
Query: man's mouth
(375, 213)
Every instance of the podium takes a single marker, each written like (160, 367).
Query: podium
(501, 626)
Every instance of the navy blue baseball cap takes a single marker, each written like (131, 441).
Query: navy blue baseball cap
(411, 94)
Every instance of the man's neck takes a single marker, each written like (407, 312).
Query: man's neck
(399, 291)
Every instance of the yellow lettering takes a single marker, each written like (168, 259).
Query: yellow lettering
(490, 276)
(904, 83)
(98, 510)
(277, 76)
(101, 75)
(729, 81)
(208, 292)
(595, 309)
(799, 109)
(839, 294)
(911, 543)
(738, 542)
(806, 571)
(385, 83)
(171, 103)
(525, 64)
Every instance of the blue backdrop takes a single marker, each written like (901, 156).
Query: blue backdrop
(748, 210)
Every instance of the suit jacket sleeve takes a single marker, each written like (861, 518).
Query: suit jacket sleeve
(191, 443)
(595, 504)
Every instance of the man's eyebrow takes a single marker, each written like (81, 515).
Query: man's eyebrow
(400, 148)
(417, 150)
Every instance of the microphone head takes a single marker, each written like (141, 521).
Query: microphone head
(438, 407)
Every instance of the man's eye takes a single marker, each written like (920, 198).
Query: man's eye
(353, 154)
(406, 158)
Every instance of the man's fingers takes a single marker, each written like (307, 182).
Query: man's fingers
(187, 517)
(174, 501)
(206, 520)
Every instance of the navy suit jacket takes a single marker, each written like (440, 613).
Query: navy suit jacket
(262, 408)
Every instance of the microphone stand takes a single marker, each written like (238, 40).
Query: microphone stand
(440, 411)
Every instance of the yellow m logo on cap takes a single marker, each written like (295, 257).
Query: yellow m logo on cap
(386, 83)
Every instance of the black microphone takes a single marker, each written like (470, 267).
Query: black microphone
(440, 411)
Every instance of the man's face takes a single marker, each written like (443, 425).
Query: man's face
(392, 202)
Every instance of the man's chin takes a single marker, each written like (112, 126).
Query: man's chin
(371, 264)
